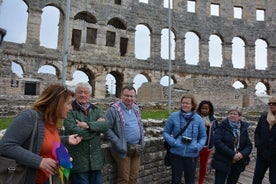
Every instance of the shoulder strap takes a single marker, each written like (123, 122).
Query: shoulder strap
(33, 133)
(184, 128)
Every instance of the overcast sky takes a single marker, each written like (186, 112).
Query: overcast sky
(16, 32)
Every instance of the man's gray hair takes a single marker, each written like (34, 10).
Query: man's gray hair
(84, 84)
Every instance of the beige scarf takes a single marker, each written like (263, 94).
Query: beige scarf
(271, 119)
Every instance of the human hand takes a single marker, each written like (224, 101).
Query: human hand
(49, 165)
(101, 119)
(82, 124)
(238, 156)
(74, 139)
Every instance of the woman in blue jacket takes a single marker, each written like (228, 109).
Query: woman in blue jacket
(186, 147)
(232, 148)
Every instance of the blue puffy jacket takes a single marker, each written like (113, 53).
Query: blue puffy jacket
(196, 130)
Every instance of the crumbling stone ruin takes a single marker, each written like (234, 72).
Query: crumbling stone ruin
(102, 41)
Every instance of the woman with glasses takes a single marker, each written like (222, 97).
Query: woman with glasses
(265, 142)
(232, 148)
(185, 148)
(48, 111)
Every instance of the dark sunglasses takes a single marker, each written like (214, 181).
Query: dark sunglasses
(272, 104)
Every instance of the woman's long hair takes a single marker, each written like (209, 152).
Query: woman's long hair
(51, 102)
(211, 108)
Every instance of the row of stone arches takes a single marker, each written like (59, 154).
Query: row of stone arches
(114, 80)
(87, 30)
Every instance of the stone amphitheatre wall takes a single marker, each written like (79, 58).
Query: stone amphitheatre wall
(102, 41)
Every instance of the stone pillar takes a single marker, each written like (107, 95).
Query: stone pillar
(131, 41)
(101, 34)
(156, 3)
(271, 58)
(250, 56)
(227, 55)
(33, 27)
(180, 5)
(179, 49)
(203, 8)
(100, 86)
(155, 45)
(204, 52)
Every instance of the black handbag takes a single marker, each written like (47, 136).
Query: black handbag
(167, 160)
(10, 171)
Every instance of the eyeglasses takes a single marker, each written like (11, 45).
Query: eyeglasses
(129, 96)
(271, 104)
(186, 103)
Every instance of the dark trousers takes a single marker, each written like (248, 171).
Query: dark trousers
(232, 177)
(180, 165)
(261, 168)
(89, 177)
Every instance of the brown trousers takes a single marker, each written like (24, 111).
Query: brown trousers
(127, 169)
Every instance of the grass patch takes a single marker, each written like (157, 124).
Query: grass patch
(5, 122)
(155, 114)
(146, 114)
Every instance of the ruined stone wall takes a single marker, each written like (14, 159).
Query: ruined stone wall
(103, 57)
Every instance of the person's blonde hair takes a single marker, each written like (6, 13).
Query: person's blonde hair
(51, 102)
(194, 102)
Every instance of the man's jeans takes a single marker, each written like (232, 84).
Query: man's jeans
(89, 177)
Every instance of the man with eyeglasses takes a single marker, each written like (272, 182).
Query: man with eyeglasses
(265, 142)
(126, 135)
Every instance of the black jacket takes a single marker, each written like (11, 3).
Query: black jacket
(224, 146)
(265, 140)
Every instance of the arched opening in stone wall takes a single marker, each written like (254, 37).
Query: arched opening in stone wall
(78, 76)
(91, 78)
(50, 17)
(191, 49)
(238, 85)
(17, 69)
(119, 81)
(215, 50)
(17, 31)
(142, 42)
(84, 27)
(261, 88)
(110, 85)
(49, 73)
(144, 1)
(47, 69)
(112, 34)
(165, 44)
(165, 80)
(261, 54)
(138, 80)
(238, 53)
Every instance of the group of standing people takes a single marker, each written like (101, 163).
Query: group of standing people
(85, 124)
(228, 141)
